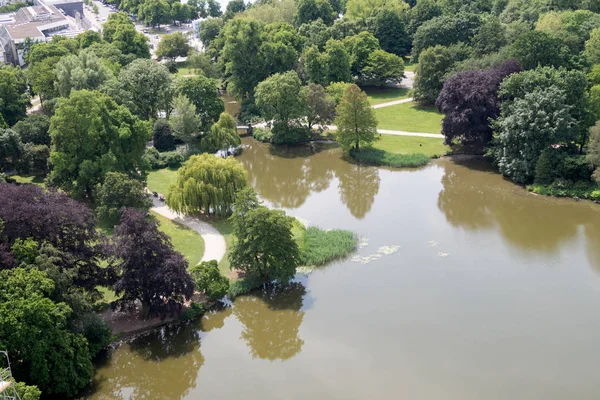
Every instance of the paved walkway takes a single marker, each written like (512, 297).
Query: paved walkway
(393, 103)
(398, 133)
(214, 242)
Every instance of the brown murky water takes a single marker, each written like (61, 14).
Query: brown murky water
(465, 287)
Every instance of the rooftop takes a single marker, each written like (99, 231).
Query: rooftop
(32, 21)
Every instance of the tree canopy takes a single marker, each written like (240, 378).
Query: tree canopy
(355, 120)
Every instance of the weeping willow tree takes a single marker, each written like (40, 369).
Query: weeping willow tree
(223, 134)
(207, 184)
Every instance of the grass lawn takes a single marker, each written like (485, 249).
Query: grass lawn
(36, 180)
(409, 117)
(185, 240)
(431, 147)
(408, 65)
(385, 94)
(160, 180)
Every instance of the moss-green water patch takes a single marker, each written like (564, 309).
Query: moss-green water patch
(319, 247)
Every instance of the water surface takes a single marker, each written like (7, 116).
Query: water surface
(465, 287)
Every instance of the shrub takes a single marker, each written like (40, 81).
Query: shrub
(381, 157)
(209, 280)
(320, 247)
(289, 133)
(576, 168)
(152, 158)
(244, 286)
(162, 136)
(95, 330)
(557, 165)
(195, 311)
(172, 159)
(579, 190)
(262, 134)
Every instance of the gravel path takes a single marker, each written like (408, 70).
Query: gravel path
(214, 242)
(393, 103)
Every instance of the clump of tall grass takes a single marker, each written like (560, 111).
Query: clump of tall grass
(319, 247)
(382, 157)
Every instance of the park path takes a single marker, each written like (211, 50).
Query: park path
(214, 242)
(397, 133)
(393, 103)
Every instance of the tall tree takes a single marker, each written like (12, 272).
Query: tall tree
(117, 192)
(149, 85)
(470, 101)
(319, 105)
(382, 67)
(14, 98)
(234, 7)
(149, 269)
(208, 279)
(34, 129)
(223, 135)
(363, 8)
(355, 120)
(155, 12)
(207, 184)
(359, 48)
(389, 28)
(172, 46)
(92, 135)
(209, 29)
(11, 150)
(162, 135)
(434, 62)
(184, 122)
(265, 248)
(77, 72)
(204, 95)
(538, 48)
(130, 41)
(338, 62)
(311, 10)
(593, 154)
(34, 331)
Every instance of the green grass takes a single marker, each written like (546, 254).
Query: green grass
(36, 180)
(380, 157)
(592, 192)
(385, 94)
(409, 117)
(409, 66)
(431, 147)
(160, 180)
(318, 247)
(185, 240)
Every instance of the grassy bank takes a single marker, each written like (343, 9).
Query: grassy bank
(319, 247)
(431, 147)
(185, 240)
(385, 94)
(374, 156)
(592, 192)
(409, 117)
(160, 180)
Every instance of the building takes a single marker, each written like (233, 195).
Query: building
(72, 8)
(34, 23)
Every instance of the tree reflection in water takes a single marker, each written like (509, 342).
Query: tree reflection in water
(286, 176)
(474, 197)
(162, 364)
(272, 320)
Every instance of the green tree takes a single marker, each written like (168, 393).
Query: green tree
(207, 184)
(26, 392)
(363, 8)
(41, 77)
(593, 153)
(43, 352)
(87, 38)
(592, 47)
(264, 248)
(526, 127)
(223, 135)
(355, 120)
(204, 95)
(208, 280)
(119, 191)
(14, 98)
(338, 62)
(434, 62)
(423, 11)
(209, 29)
(279, 49)
(311, 10)
(77, 72)
(150, 86)
(359, 48)
(91, 136)
(172, 46)
(162, 135)
(34, 159)
(130, 41)
(382, 67)
(242, 37)
(538, 48)
(389, 29)
(112, 22)
(316, 65)
(234, 7)
(336, 90)
(490, 37)
(11, 150)
(155, 12)
(319, 105)
(184, 121)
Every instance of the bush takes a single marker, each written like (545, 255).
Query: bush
(195, 311)
(262, 135)
(208, 279)
(162, 136)
(576, 168)
(557, 165)
(579, 190)
(289, 133)
(173, 159)
(244, 286)
(381, 157)
(95, 330)
(320, 247)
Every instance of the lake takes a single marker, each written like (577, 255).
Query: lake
(465, 286)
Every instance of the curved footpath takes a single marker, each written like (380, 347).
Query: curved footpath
(214, 242)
